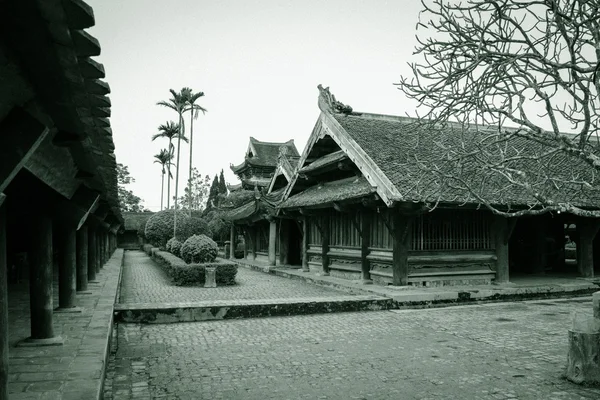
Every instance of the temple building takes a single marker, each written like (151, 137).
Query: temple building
(59, 211)
(381, 199)
(267, 169)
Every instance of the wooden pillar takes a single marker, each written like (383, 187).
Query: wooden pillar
(254, 237)
(325, 245)
(586, 232)
(401, 236)
(539, 245)
(40, 279)
(98, 251)
(232, 241)
(284, 241)
(67, 268)
(246, 241)
(3, 306)
(501, 231)
(305, 267)
(92, 256)
(272, 241)
(82, 258)
(365, 244)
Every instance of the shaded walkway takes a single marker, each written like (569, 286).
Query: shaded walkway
(144, 281)
(76, 369)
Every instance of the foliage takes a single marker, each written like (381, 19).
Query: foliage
(159, 227)
(174, 246)
(222, 184)
(199, 191)
(194, 274)
(199, 248)
(213, 194)
(526, 63)
(148, 248)
(237, 198)
(164, 158)
(127, 200)
(198, 226)
(218, 227)
(169, 131)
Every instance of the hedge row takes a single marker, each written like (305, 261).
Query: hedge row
(183, 274)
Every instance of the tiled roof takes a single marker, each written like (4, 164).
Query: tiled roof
(343, 189)
(408, 155)
(242, 212)
(266, 154)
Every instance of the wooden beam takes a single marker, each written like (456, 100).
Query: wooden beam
(90, 68)
(2, 198)
(65, 139)
(96, 86)
(85, 44)
(79, 14)
(21, 136)
(99, 101)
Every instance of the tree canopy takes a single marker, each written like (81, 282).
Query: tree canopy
(127, 200)
(514, 69)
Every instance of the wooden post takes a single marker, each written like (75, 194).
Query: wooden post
(246, 241)
(3, 306)
(305, 267)
(232, 241)
(82, 258)
(539, 250)
(401, 229)
(254, 237)
(586, 232)
(40, 279)
(92, 256)
(365, 244)
(66, 270)
(502, 230)
(272, 241)
(99, 259)
(325, 245)
(284, 242)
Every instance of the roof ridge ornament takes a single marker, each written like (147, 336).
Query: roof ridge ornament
(328, 102)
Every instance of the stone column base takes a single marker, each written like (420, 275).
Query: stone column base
(30, 342)
(68, 310)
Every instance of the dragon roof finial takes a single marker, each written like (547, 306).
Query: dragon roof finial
(328, 102)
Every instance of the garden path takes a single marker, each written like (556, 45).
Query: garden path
(144, 281)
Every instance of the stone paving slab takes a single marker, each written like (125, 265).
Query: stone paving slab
(75, 370)
(513, 350)
(144, 281)
(223, 309)
(410, 296)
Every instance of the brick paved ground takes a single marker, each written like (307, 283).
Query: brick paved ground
(144, 281)
(495, 351)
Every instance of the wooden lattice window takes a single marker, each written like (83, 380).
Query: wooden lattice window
(452, 230)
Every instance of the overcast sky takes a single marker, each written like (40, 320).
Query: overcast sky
(258, 63)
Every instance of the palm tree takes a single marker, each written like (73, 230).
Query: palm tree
(177, 103)
(171, 131)
(193, 109)
(164, 159)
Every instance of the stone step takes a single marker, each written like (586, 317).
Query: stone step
(164, 313)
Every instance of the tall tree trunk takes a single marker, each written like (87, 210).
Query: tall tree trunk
(169, 175)
(177, 172)
(191, 147)
(162, 189)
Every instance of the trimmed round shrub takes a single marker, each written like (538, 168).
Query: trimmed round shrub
(174, 246)
(159, 227)
(197, 226)
(199, 249)
(219, 228)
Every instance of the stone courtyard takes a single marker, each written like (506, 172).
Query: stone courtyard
(484, 351)
(495, 351)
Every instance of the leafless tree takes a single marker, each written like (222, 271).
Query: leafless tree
(525, 75)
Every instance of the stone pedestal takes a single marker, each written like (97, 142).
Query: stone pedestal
(583, 357)
(210, 277)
